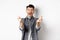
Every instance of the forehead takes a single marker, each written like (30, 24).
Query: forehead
(29, 8)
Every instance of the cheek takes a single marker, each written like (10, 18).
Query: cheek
(32, 11)
(27, 11)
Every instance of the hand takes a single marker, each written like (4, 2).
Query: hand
(38, 22)
(19, 18)
(21, 22)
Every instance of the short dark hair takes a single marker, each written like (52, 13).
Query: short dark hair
(31, 6)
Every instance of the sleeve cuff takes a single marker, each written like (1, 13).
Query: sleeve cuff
(21, 28)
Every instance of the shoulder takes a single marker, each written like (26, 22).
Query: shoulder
(35, 18)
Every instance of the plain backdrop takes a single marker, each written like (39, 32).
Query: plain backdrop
(11, 9)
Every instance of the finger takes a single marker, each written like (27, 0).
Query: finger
(40, 18)
(19, 18)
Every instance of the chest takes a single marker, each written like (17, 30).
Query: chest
(29, 24)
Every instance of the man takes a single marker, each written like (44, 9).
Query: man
(30, 25)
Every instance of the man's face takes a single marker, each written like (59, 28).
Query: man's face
(30, 11)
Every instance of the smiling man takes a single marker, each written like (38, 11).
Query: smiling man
(30, 25)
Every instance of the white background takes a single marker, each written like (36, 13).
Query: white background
(11, 9)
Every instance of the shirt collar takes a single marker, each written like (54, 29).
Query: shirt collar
(29, 17)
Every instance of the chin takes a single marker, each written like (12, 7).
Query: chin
(30, 15)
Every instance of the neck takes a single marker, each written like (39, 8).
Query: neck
(29, 16)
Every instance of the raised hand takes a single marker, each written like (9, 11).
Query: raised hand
(39, 20)
(19, 18)
(21, 22)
